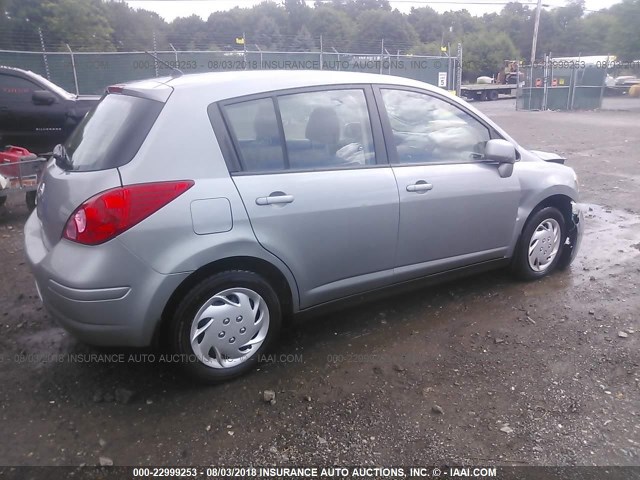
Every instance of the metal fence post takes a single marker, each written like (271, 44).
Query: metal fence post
(175, 53)
(73, 66)
(381, 53)
(604, 83)
(259, 50)
(44, 54)
(244, 50)
(459, 71)
(155, 53)
(321, 53)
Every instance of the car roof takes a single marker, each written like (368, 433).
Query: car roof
(231, 84)
(218, 86)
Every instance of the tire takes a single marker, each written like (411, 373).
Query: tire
(3, 200)
(493, 95)
(239, 316)
(31, 200)
(548, 225)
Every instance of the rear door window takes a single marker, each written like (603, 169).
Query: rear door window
(313, 130)
(327, 129)
(254, 126)
(112, 133)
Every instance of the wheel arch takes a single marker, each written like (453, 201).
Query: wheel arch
(561, 201)
(270, 272)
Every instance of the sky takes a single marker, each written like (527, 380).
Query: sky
(170, 9)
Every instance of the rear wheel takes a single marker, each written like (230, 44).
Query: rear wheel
(541, 243)
(223, 325)
(493, 95)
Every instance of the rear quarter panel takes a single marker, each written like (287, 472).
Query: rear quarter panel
(182, 145)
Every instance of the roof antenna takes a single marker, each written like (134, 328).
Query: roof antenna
(177, 71)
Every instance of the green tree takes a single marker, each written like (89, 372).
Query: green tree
(303, 41)
(427, 24)
(353, 8)
(224, 27)
(375, 25)
(267, 34)
(485, 52)
(188, 33)
(625, 36)
(597, 33)
(335, 27)
(298, 15)
(133, 30)
(82, 24)
(23, 19)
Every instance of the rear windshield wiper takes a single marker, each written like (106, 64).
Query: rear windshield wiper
(61, 157)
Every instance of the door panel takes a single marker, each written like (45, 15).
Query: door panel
(334, 225)
(468, 211)
(37, 127)
(455, 210)
(317, 188)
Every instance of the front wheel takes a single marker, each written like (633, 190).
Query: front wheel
(541, 243)
(224, 323)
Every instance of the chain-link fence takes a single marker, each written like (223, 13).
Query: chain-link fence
(561, 84)
(91, 72)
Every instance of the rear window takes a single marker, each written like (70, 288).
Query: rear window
(111, 134)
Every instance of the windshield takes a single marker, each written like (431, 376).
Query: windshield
(111, 133)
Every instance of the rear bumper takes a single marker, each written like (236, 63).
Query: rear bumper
(104, 295)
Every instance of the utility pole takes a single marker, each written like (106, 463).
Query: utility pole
(535, 33)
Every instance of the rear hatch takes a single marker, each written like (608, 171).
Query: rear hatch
(107, 138)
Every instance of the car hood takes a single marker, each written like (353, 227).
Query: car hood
(548, 156)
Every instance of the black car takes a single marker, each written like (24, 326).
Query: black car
(35, 113)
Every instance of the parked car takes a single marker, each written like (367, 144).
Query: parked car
(206, 208)
(35, 113)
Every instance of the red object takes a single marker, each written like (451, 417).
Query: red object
(115, 88)
(108, 214)
(10, 159)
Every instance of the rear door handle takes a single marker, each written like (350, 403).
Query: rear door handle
(419, 187)
(274, 199)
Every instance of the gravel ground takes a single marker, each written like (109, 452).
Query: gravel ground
(486, 370)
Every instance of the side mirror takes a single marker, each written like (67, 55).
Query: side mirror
(43, 97)
(500, 151)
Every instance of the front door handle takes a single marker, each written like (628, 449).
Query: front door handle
(419, 187)
(274, 199)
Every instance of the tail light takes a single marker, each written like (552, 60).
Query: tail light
(115, 88)
(108, 214)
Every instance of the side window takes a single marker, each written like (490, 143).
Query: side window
(329, 128)
(14, 89)
(427, 129)
(254, 126)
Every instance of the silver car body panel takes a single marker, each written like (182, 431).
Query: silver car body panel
(345, 232)
(339, 225)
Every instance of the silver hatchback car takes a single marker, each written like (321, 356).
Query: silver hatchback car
(204, 209)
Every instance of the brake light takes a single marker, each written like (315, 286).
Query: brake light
(115, 88)
(108, 214)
